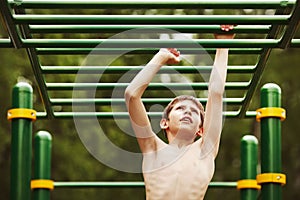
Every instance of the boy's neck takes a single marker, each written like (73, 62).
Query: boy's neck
(179, 142)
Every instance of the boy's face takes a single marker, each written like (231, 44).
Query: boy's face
(184, 118)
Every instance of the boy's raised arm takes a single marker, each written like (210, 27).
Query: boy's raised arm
(147, 139)
(213, 113)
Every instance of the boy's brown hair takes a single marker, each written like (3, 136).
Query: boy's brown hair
(171, 105)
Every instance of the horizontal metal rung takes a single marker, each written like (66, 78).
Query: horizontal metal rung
(116, 101)
(124, 69)
(152, 19)
(295, 43)
(153, 4)
(126, 184)
(256, 29)
(153, 86)
(151, 43)
(6, 43)
(124, 115)
(119, 51)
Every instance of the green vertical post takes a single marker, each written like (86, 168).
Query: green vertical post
(249, 162)
(42, 163)
(271, 141)
(21, 144)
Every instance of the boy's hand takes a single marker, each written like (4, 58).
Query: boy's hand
(225, 28)
(171, 55)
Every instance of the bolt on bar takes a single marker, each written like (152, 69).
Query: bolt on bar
(169, 4)
(152, 19)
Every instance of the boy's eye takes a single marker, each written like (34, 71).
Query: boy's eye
(195, 111)
(179, 108)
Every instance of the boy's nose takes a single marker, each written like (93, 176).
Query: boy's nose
(188, 111)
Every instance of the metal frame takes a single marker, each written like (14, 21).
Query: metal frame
(275, 31)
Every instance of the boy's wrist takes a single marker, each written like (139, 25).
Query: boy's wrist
(161, 58)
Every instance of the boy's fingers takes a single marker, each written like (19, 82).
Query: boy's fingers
(227, 27)
(174, 51)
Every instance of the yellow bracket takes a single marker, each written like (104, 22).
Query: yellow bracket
(42, 184)
(21, 113)
(271, 178)
(270, 112)
(248, 184)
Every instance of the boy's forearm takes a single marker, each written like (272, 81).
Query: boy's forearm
(144, 77)
(213, 116)
(219, 72)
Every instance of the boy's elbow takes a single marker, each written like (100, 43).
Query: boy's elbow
(130, 95)
(127, 94)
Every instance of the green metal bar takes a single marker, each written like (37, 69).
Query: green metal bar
(35, 63)
(33, 57)
(151, 43)
(153, 86)
(21, 144)
(276, 30)
(132, 184)
(261, 64)
(271, 141)
(9, 23)
(120, 101)
(134, 69)
(292, 27)
(152, 19)
(6, 43)
(295, 43)
(99, 184)
(113, 51)
(257, 29)
(168, 4)
(249, 163)
(42, 163)
(124, 115)
(101, 115)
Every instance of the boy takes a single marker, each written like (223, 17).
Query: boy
(183, 168)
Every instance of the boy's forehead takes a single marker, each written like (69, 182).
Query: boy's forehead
(187, 102)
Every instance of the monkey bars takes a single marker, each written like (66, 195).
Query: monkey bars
(50, 28)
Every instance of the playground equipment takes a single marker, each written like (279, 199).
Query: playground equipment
(30, 31)
(270, 180)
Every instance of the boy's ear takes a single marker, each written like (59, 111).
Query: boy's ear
(164, 123)
(200, 132)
